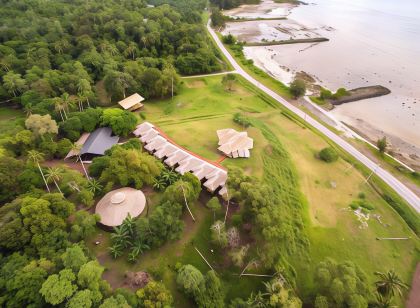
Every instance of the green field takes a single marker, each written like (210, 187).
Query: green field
(192, 118)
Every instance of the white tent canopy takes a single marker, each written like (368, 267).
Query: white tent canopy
(233, 143)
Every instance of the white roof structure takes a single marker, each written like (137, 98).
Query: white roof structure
(132, 102)
(115, 206)
(233, 143)
(213, 175)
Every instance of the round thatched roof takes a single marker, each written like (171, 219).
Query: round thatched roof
(115, 206)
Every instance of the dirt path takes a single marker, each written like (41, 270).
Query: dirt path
(414, 296)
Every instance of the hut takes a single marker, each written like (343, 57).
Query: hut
(233, 143)
(115, 206)
(133, 102)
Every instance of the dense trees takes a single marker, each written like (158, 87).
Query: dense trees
(122, 122)
(53, 56)
(126, 167)
(205, 290)
(154, 294)
(282, 234)
(228, 4)
(341, 284)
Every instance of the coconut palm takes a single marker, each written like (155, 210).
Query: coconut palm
(76, 149)
(94, 186)
(60, 107)
(54, 174)
(68, 101)
(36, 157)
(84, 90)
(389, 284)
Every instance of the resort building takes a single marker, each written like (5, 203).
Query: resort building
(133, 102)
(115, 206)
(94, 144)
(212, 175)
(233, 143)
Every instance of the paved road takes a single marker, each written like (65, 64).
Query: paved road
(400, 188)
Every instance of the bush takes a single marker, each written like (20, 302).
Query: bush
(325, 94)
(362, 203)
(328, 155)
(241, 120)
(229, 39)
(297, 88)
(340, 93)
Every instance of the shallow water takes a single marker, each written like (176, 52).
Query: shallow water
(372, 42)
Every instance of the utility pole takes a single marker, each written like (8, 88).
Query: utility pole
(172, 91)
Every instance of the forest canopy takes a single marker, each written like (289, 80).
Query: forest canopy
(52, 48)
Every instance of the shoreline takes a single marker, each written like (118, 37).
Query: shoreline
(264, 58)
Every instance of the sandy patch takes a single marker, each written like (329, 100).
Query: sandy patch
(269, 30)
(266, 9)
(195, 84)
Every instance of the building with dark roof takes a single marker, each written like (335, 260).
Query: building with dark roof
(95, 143)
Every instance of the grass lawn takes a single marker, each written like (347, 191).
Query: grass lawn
(192, 118)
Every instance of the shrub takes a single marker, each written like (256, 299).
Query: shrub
(241, 120)
(229, 39)
(340, 93)
(328, 155)
(325, 94)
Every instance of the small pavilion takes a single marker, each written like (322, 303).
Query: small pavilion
(133, 102)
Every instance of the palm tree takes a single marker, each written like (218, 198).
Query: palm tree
(257, 300)
(59, 107)
(139, 247)
(389, 284)
(67, 101)
(94, 186)
(54, 174)
(121, 237)
(116, 250)
(76, 148)
(36, 157)
(159, 184)
(129, 225)
(28, 109)
(383, 301)
(84, 90)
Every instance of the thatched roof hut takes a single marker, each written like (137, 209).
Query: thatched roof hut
(115, 206)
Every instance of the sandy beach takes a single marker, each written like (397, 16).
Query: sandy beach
(375, 43)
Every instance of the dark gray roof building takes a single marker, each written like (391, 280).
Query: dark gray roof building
(99, 141)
